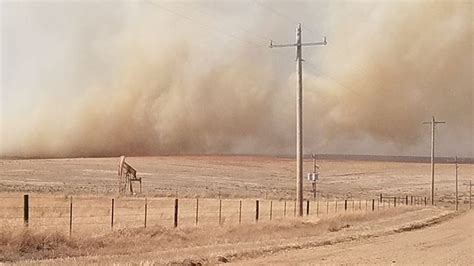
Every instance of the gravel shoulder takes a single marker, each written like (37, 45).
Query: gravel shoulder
(450, 242)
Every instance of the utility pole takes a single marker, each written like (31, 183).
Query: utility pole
(456, 159)
(315, 176)
(433, 123)
(299, 112)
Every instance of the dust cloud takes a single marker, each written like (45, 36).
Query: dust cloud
(137, 80)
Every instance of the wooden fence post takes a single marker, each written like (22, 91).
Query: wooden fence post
(197, 211)
(327, 206)
(307, 207)
(352, 205)
(220, 212)
(70, 217)
(406, 200)
(26, 209)
(271, 209)
(284, 210)
(317, 208)
(335, 206)
(345, 205)
(240, 211)
(373, 205)
(425, 201)
(146, 211)
(394, 201)
(176, 209)
(294, 210)
(112, 214)
(256, 210)
(381, 197)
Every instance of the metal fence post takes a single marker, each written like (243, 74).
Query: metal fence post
(26, 209)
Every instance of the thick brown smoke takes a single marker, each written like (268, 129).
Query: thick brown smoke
(386, 69)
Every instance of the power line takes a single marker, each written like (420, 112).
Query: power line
(242, 28)
(310, 65)
(292, 20)
(202, 24)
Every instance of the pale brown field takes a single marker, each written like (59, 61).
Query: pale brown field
(231, 177)
(219, 183)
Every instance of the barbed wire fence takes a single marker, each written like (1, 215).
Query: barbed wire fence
(79, 213)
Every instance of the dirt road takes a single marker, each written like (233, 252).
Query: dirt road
(450, 242)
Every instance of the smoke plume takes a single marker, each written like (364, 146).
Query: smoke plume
(104, 79)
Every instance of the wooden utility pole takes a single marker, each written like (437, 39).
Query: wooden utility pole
(433, 123)
(299, 112)
(314, 171)
(456, 159)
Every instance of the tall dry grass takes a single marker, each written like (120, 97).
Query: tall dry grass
(27, 244)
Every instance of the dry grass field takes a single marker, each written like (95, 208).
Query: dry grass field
(226, 189)
(231, 177)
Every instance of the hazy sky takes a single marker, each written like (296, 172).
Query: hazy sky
(100, 78)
